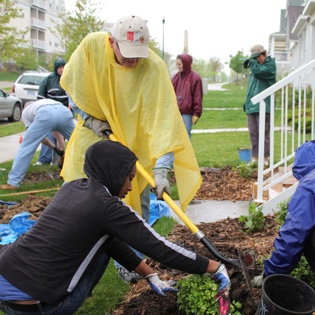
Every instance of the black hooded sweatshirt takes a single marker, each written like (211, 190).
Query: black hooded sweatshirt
(50, 87)
(84, 219)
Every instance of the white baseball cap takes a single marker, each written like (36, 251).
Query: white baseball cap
(132, 35)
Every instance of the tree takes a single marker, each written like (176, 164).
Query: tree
(27, 60)
(77, 24)
(10, 37)
(236, 63)
(215, 67)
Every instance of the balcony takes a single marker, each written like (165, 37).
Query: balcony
(38, 3)
(37, 23)
(38, 44)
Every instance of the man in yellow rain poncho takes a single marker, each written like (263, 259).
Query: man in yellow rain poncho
(115, 79)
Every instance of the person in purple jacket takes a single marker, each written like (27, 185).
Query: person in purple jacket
(188, 88)
(297, 234)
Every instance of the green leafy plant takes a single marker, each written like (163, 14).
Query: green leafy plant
(236, 307)
(282, 210)
(255, 220)
(304, 272)
(196, 295)
(245, 170)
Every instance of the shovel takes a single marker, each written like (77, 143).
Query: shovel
(240, 263)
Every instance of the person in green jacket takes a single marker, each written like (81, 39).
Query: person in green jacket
(262, 75)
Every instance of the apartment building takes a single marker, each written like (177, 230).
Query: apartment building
(38, 17)
(294, 44)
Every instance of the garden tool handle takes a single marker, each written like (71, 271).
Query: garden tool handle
(200, 235)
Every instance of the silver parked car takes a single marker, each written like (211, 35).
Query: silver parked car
(10, 106)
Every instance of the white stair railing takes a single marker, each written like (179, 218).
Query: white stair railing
(297, 94)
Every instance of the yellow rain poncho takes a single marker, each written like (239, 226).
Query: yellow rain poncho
(140, 106)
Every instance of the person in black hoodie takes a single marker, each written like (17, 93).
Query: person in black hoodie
(54, 266)
(50, 88)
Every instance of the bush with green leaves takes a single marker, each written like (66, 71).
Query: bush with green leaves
(282, 210)
(245, 170)
(255, 220)
(196, 295)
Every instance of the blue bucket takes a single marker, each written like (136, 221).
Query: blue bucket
(245, 155)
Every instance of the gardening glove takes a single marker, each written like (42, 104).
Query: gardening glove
(246, 63)
(257, 281)
(58, 151)
(97, 126)
(160, 287)
(221, 277)
(195, 119)
(161, 182)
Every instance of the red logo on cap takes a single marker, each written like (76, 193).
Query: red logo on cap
(130, 36)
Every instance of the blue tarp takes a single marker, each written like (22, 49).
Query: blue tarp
(18, 225)
(158, 209)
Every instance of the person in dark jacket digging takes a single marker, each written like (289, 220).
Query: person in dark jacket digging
(54, 266)
(188, 88)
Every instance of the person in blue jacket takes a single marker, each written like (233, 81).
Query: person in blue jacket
(297, 234)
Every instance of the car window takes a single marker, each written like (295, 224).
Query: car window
(2, 93)
(30, 79)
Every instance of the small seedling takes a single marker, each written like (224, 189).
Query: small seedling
(255, 220)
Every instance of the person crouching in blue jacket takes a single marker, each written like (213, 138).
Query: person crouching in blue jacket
(297, 234)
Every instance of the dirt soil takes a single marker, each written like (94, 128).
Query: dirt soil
(227, 235)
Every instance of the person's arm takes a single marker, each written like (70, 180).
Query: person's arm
(76, 109)
(60, 140)
(49, 144)
(162, 166)
(265, 71)
(197, 100)
(294, 233)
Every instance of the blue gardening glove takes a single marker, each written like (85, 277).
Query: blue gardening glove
(158, 286)
(221, 277)
(97, 126)
(161, 182)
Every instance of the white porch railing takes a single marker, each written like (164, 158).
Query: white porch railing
(297, 98)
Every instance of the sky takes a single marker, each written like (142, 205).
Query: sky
(215, 28)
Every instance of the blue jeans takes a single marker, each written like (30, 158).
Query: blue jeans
(188, 123)
(73, 300)
(47, 118)
(46, 153)
(145, 207)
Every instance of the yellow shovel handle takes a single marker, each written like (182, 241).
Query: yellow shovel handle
(165, 196)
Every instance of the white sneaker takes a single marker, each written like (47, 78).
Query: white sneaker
(38, 163)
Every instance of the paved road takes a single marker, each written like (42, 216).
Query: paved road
(6, 84)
